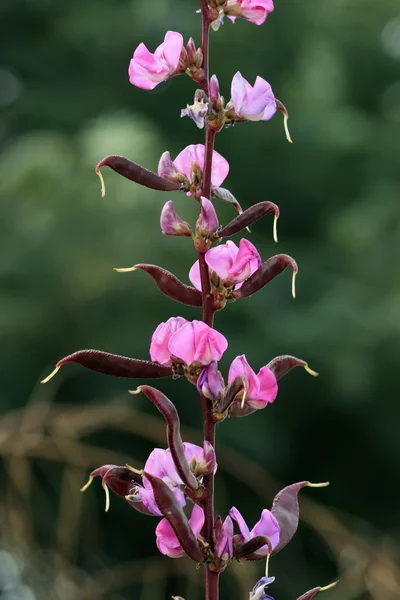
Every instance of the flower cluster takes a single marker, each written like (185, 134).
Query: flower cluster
(176, 484)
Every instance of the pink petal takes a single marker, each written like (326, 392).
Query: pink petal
(210, 344)
(143, 57)
(244, 530)
(225, 540)
(269, 526)
(182, 344)
(220, 169)
(196, 520)
(183, 161)
(238, 92)
(191, 450)
(240, 366)
(270, 110)
(148, 500)
(166, 540)
(268, 385)
(140, 77)
(246, 262)
(194, 276)
(159, 350)
(220, 258)
(173, 44)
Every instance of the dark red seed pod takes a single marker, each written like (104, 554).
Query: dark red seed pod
(239, 384)
(281, 365)
(169, 285)
(265, 273)
(249, 216)
(248, 549)
(136, 173)
(174, 514)
(312, 593)
(237, 410)
(175, 444)
(285, 509)
(113, 364)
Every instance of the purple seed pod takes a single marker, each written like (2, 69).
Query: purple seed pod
(134, 172)
(248, 549)
(168, 284)
(281, 365)
(265, 273)
(285, 509)
(249, 216)
(174, 514)
(113, 364)
(239, 384)
(175, 444)
(312, 593)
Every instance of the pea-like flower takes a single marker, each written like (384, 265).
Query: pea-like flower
(171, 223)
(267, 525)
(258, 592)
(252, 103)
(188, 161)
(166, 539)
(147, 69)
(255, 11)
(232, 264)
(207, 223)
(190, 342)
(262, 388)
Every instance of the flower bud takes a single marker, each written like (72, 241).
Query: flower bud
(210, 382)
(207, 223)
(191, 51)
(171, 223)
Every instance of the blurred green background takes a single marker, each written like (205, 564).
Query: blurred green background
(65, 103)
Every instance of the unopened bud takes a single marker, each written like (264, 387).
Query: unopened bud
(191, 51)
(214, 91)
(166, 168)
(207, 223)
(171, 223)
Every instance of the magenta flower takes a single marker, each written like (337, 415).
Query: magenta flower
(224, 546)
(255, 11)
(160, 464)
(166, 540)
(159, 349)
(267, 525)
(185, 159)
(262, 388)
(147, 70)
(171, 223)
(195, 343)
(207, 223)
(233, 265)
(255, 103)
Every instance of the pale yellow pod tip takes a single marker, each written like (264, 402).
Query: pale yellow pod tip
(134, 392)
(244, 398)
(285, 124)
(103, 187)
(275, 229)
(107, 493)
(248, 229)
(85, 487)
(294, 284)
(51, 375)
(137, 471)
(127, 270)
(329, 587)
(318, 485)
(310, 371)
(267, 565)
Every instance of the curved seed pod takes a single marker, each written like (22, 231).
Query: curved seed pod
(169, 285)
(174, 514)
(170, 414)
(248, 549)
(113, 364)
(237, 385)
(285, 509)
(134, 172)
(249, 216)
(226, 196)
(237, 410)
(265, 273)
(281, 365)
(309, 595)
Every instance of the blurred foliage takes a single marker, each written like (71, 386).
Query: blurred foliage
(65, 103)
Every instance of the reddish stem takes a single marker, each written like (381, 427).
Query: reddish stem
(211, 578)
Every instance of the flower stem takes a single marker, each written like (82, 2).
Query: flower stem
(212, 585)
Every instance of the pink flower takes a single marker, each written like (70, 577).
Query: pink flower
(159, 349)
(193, 154)
(171, 223)
(267, 525)
(252, 103)
(161, 465)
(263, 387)
(207, 223)
(224, 546)
(232, 264)
(255, 11)
(197, 343)
(166, 540)
(146, 70)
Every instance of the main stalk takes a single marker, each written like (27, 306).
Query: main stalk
(211, 578)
